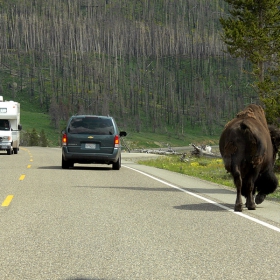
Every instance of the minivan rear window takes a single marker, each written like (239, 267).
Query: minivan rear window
(91, 125)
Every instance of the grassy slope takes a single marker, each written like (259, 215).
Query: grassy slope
(40, 121)
(33, 117)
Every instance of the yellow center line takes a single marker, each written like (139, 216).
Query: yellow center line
(7, 201)
(29, 165)
(31, 159)
(21, 177)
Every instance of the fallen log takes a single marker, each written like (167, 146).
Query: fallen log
(203, 151)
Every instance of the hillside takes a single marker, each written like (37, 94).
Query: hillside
(156, 66)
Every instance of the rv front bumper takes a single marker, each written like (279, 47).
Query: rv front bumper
(5, 146)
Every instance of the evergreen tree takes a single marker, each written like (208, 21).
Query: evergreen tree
(33, 138)
(252, 31)
(43, 138)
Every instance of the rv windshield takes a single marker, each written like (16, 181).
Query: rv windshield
(4, 125)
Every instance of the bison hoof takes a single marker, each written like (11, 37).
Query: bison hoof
(252, 207)
(238, 207)
(260, 198)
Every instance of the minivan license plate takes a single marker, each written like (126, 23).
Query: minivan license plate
(90, 146)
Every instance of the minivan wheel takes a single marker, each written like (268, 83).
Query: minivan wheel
(64, 164)
(10, 151)
(117, 164)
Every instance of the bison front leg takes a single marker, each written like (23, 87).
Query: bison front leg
(238, 207)
(260, 198)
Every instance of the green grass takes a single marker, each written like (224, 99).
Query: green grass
(204, 168)
(145, 140)
(32, 117)
(40, 121)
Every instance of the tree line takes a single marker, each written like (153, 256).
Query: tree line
(251, 31)
(154, 65)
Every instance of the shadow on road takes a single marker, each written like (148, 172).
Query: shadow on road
(83, 278)
(193, 190)
(49, 167)
(77, 168)
(204, 207)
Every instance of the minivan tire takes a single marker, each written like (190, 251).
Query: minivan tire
(64, 164)
(117, 164)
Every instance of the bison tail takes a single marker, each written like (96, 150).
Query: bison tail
(227, 163)
(229, 149)
(248, 134)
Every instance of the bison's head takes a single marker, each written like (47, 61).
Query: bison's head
(275, 139)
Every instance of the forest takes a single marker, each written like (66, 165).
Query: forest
(154, 65)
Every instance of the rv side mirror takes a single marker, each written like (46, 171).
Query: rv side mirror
(19, 127)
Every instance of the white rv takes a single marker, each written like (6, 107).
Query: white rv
(9, 126)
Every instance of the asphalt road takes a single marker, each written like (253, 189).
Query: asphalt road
(94, 223)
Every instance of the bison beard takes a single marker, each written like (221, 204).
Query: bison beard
(248, 147)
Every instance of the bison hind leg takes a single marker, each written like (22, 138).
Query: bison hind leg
(250, 201)
(248, 191)
(250, 204)
(238, 207)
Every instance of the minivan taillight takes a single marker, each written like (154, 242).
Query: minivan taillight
(117, 141)
(64, 139)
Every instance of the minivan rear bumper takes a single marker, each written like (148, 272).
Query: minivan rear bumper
(91, 157)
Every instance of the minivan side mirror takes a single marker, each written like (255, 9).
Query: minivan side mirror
(123, 133)
(19, 127)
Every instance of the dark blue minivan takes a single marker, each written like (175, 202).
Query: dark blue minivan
(91, 139)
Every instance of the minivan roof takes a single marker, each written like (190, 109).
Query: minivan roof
(90, 116)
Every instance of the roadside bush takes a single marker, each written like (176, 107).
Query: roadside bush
(32, 138)
(43, 139)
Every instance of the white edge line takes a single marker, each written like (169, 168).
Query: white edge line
(208, 200)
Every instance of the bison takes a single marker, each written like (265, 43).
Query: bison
(248, 147)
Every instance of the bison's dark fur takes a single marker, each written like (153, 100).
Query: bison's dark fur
(248, 147)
